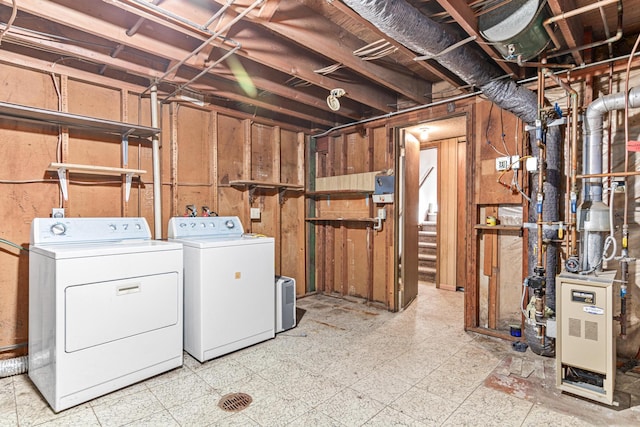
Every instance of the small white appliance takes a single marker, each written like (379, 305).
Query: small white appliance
(105, 306)
(229, 298)
(285, 303)
(586, 347)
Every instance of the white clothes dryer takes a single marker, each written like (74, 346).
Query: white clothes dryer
(105, 306)
(229, 299)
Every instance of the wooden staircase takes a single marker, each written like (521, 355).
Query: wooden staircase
(427, 252)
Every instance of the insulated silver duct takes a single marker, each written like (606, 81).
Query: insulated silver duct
(406, 25)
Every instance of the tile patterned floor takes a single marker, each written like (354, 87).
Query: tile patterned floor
(345, 364)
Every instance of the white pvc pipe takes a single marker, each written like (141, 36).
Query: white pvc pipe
(157, 183)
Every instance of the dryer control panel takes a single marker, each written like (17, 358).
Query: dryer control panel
(214, 226)
(80, 230)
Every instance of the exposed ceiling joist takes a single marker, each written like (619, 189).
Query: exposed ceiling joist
(464, 16)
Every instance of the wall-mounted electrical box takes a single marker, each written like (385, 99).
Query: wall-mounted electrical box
(384, 189)
(586, 346)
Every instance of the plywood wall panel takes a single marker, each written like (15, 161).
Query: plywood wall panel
(292, 236)
(357, 153)
(358, 264)
(194, 160)
(25, 153)
(290, 155)
(88, 99)
(230, 154)
(498, 133)
(263, 153)
(26, 87)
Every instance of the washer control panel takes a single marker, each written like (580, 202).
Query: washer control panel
(77, 230)
(215, 226)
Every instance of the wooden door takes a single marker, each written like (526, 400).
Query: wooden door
(407, 201)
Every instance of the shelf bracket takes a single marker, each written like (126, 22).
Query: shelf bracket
(125, 147)
(127, 186)
(281, 197)
(62, 177)
(252, 190)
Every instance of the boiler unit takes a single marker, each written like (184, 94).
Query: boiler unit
(586, 347)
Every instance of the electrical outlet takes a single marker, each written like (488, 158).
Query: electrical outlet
(502, 163)
(255, 213)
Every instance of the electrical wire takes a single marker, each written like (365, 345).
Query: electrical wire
(7, 27)
(486, 133)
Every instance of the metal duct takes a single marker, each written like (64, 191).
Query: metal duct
(405, 24)
(592, 149)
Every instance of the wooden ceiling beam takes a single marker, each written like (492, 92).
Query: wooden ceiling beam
(313, 31)
(89, 24)
(402, 50)
(260, 47)
(571, 29)
(464, 16)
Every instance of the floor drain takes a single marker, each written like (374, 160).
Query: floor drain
(234, 402)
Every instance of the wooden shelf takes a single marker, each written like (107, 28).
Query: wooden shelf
(282, 187)
(498, 228)
(339, 193)
(103, 170)
(268, 185)
(62, 168)
(341, 219)
(76, 121)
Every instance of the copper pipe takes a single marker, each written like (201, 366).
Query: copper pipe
(573, 142)
(541, 163)
(606, 175)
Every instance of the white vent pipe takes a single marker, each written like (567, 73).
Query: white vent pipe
(592, 149)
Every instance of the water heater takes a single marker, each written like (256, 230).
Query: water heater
(586, 346)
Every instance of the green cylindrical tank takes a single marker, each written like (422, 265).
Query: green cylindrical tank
(516, 28)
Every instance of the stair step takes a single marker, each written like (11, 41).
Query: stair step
(430, 245)
(426, 257)
(427, 233)
(427, 270)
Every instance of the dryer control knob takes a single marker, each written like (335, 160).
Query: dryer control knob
(58, 229)
(230, 224)
(112, 227)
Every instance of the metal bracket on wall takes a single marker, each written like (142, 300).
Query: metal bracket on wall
(281, 197)
(252, 190)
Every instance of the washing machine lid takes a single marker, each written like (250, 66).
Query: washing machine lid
(85, 250)
(221, 242)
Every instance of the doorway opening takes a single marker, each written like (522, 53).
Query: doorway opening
(439, 200)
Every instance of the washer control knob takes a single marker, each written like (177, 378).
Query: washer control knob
(203, 225)
(230, 224)
(112, 227)
(192, 224)
(138, 227)
(58, 229)
(183, 224)
(125, 226)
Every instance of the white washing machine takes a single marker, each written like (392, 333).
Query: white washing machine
(105, 306)
(229, 298)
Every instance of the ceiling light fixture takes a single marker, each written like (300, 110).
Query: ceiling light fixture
(424, 134)
(332, 99)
